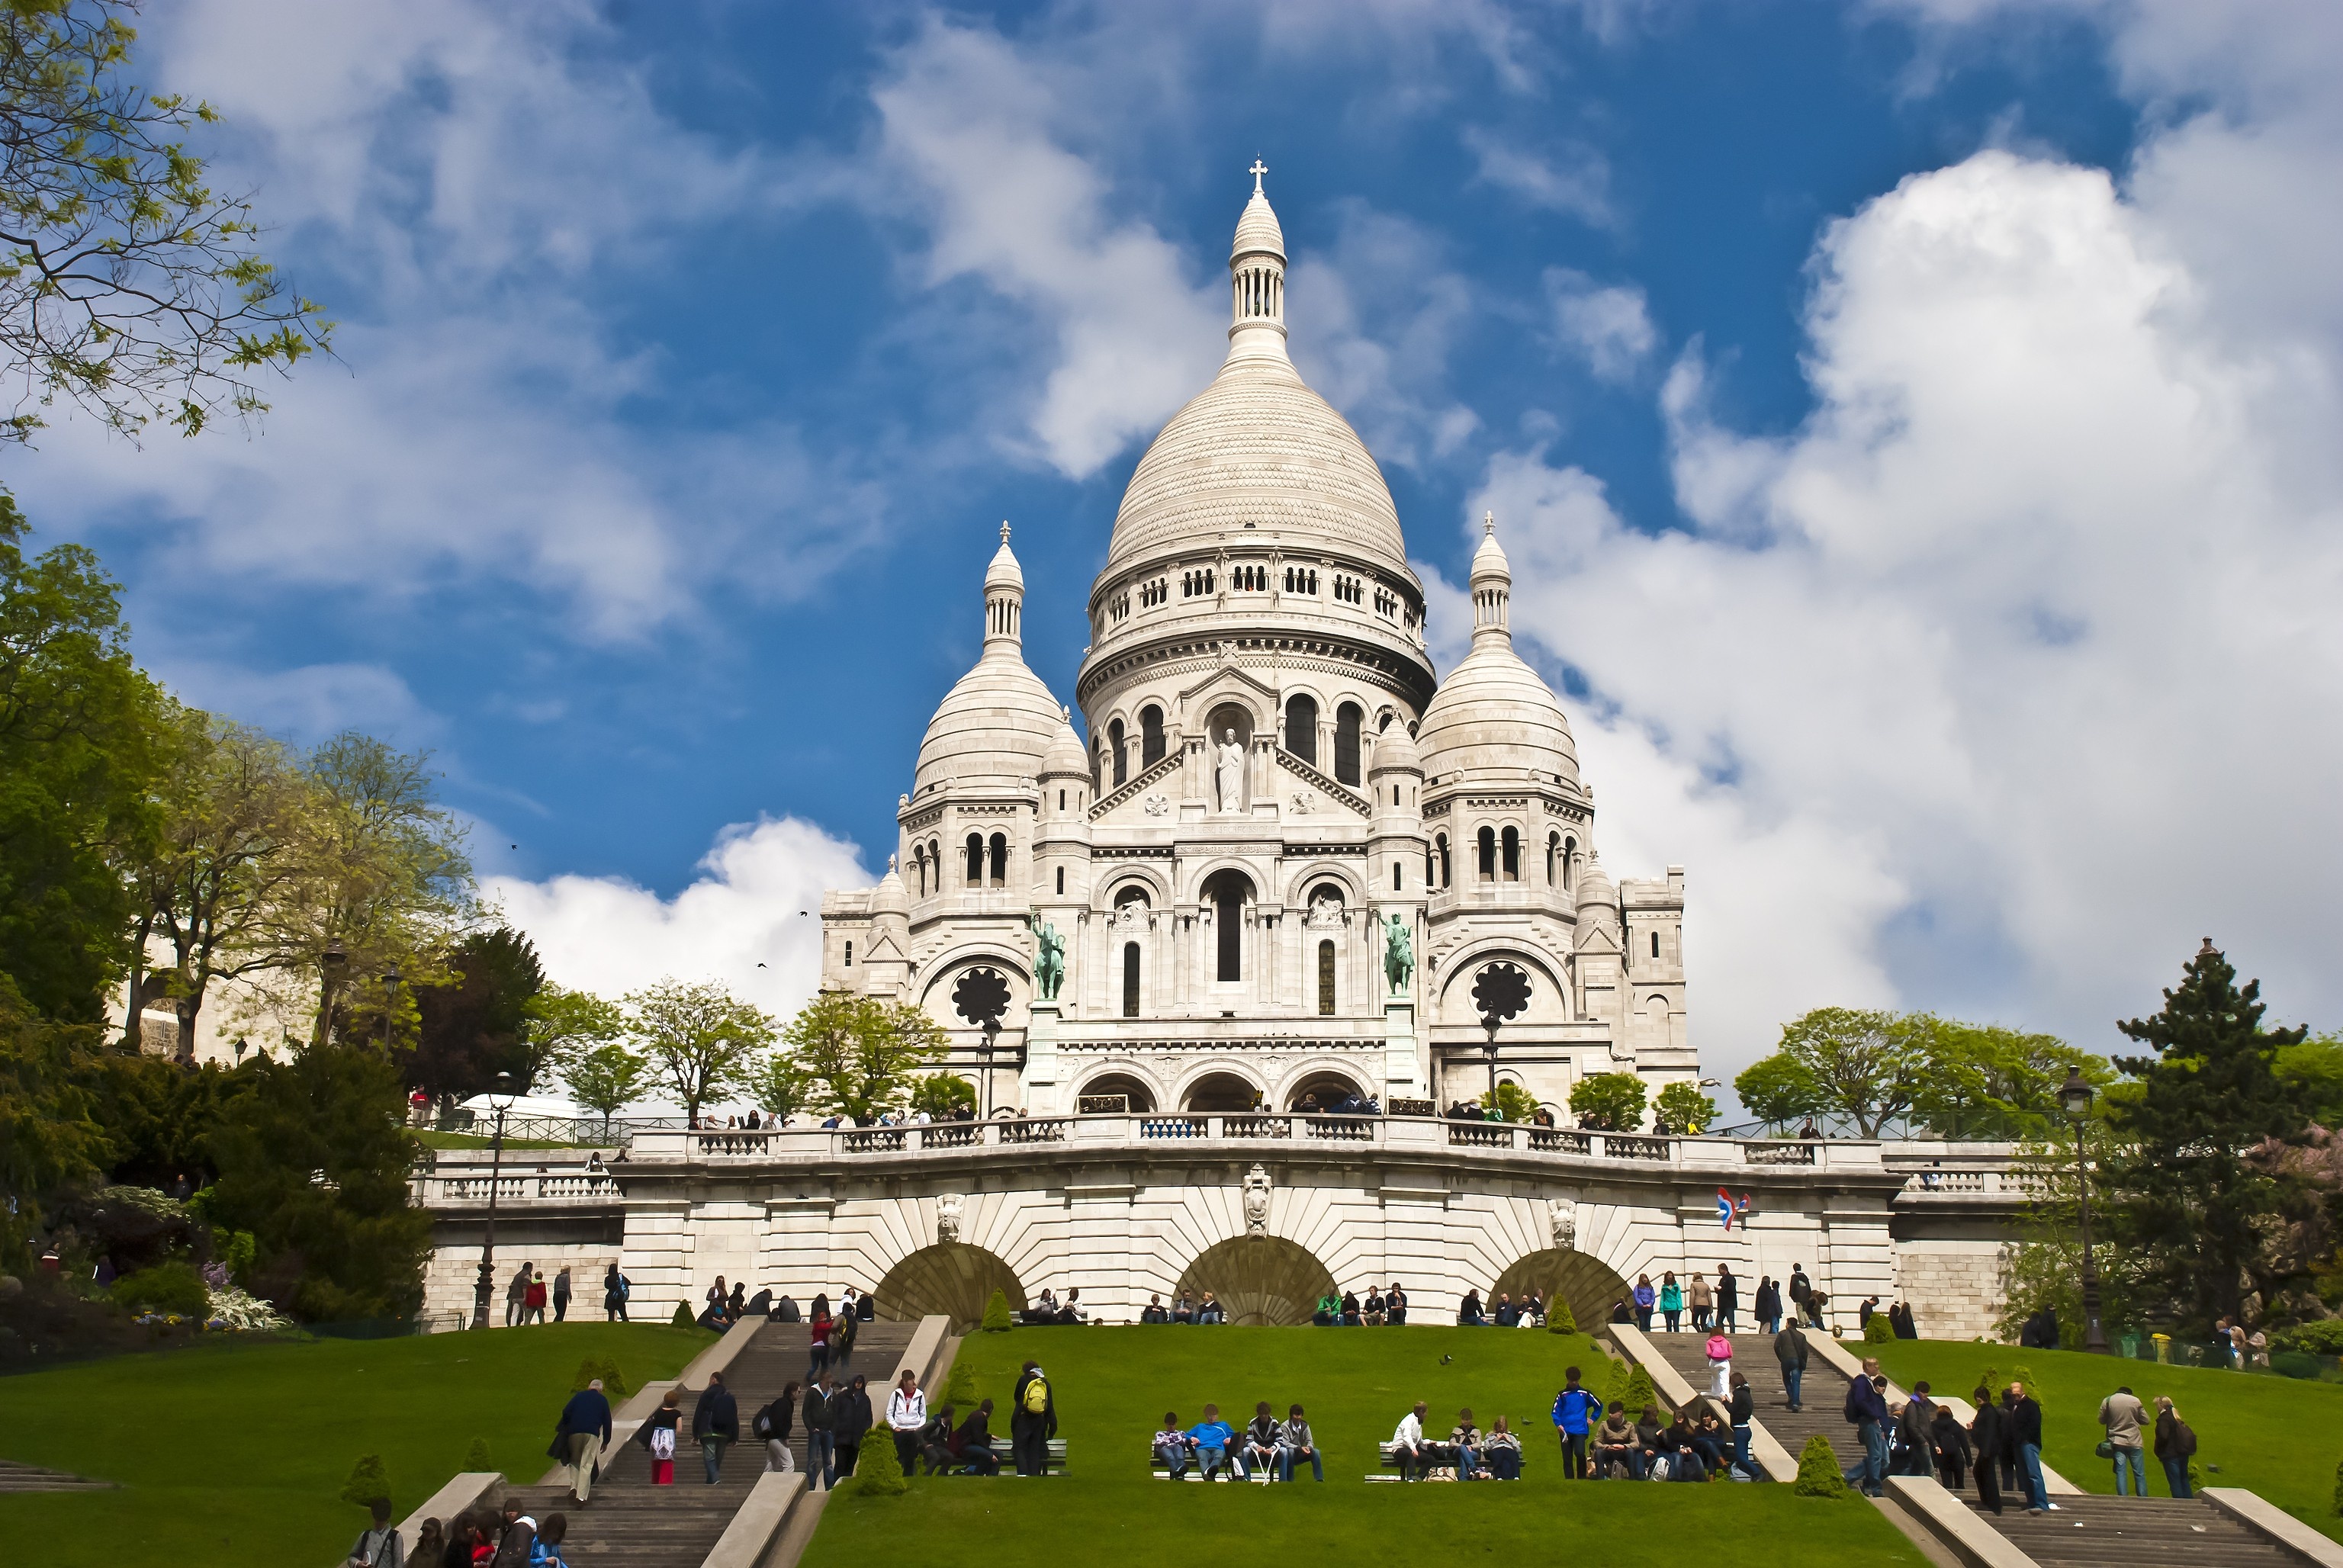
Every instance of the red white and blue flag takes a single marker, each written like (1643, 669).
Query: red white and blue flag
(1725, 1208)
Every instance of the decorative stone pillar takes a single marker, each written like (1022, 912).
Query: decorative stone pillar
(1399, 1050)
(1040, 1082)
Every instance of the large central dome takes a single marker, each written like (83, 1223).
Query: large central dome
(1258, 448)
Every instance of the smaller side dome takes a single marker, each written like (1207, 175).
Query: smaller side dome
(1594, 889)
(1065, 755)
(1395, 751)
(888, 897)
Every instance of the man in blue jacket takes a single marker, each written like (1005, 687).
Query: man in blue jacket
(1576, 1412)
(715, 1422)
(579, 1436)
(1866, 1407)
(1212, 1435)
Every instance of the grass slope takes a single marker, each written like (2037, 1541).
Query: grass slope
(236, 1453)
(2278, 1437)
(1113, 1386)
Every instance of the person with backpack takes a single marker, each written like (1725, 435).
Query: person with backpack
(1866, 1409)
(378, 1545)
(578, 1437)
(817, 1331)
(616, 1289)
(2176, 1444)
(1919, 1415)
(1801, 1289)
(1987, 1436)
(1790, 1351)
(715, 1422)
(1575, 1413)
(770, 1426)
(1032, 1421)
(2122, 1414)
(843, 1330)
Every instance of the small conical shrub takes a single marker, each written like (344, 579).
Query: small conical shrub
(368, 1480)
(588, 1370)
(996, 1313)
(1638, 1392)
(1818, 1472)
(683, 1318)
(476, 1457)
(614, 1382)
(1877, 1330)
(878, 1472)
(960, 1389)
(1560, 1319)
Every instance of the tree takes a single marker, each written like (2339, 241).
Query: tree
(607, 1077)
(700, 1038)
(1682, 1108)
(860, 1055)
(2200, 1198)
(2312, 1072)
(49, 1135)
(1991, 1083)
(559, 1025)
(943, 1094)
(1509, 1103)
(1777, 1089)
(474, 1023)
(1608, 1101)
(1864, 1067)
(128, 286)
(778, 1086)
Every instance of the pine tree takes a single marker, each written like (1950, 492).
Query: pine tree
(615, 1386)
(1876, 1330)
(368, 1480)
(2196, 1193)
(588, 1370)
(1559, 1319)
(1818, 1472)
(959, 1388)
(476, 1457)
(878, 1472)
(996, 1313)
(1638, 1392)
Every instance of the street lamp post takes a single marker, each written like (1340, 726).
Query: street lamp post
(501, 1098)
(2074, 1098)
(984, 1094)
(390, 980)
(1492, 1025)
(331, 962)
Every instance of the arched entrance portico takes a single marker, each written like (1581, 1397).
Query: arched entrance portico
(1264, 1280)
(950, 1278)
(1587, 1284)
(1220, 1092)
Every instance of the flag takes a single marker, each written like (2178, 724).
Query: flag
(1742, 1208)
(1725, 1208)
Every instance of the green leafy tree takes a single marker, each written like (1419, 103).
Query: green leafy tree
(314, 1162)
(2216, 1218)
(861, 1055)
(1862, 1067)
(1682, 1108)
(1991, 1083)
(779, 1085)
(1875, 1330)
(700, 1038)
(1608, 1101)
(607, 1078)
(129, 287)
(49, 1136)
(475, 1022)
(1778, 1091)
(2312, 1071)
(560, 1024)
(942, 1094)
(1508, 1103)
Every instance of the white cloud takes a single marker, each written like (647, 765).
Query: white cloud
(306, 704)
(2024, 639)
(1606, 326)
(751, 920)
(1581, 187)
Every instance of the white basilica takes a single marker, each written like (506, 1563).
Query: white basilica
(1290, 860)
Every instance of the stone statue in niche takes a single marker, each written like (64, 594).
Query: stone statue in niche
(1325, 913)
(1228, 770)
(1399, 954)
(1562, 1213)
(1256, 1202)
(948, 1218)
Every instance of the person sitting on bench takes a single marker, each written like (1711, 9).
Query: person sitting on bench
(1408, 1447)
(934, 1444)
(1155, 1312)
(1295, 1444)
(1174, 1449)
(1209, 1310)
(1262, 1436)
(1181, 1311)
(1501, 1452)
(1615, 1442)
(972, 1444)
(1465, 1446)
(1212, 1436)
(1680, 1446)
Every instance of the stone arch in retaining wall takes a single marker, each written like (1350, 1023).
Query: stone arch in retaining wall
(1262, 1279)
(951, 1279)
(1588, 1283)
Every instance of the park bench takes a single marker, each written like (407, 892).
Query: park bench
(1388, 1453)
(1260, 1477)
(1005, 1451)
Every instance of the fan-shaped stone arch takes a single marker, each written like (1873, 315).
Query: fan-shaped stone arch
(1264, 1280)
(951, 1278)
(1588, 1283)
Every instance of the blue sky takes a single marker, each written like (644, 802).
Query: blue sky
(1911, 422)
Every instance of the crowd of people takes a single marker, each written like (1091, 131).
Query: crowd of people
(527, 1294)
(507, 1537)
(1717, 1305)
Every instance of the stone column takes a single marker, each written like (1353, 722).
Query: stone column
(1399, 1050)
(1040, 1085)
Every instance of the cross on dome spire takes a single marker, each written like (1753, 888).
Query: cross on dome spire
(1258, 169)
(1004, 530)
(1257, 279)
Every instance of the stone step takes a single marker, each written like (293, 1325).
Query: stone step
(1752, 1355)
(2099, 1531)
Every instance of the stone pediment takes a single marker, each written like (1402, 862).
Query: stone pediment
(1339, 794)
(1148, 779)
(1229, 680)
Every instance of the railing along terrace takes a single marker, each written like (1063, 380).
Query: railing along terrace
(569, 1185)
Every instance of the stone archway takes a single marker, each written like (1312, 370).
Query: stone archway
(1586, 1282)
(951, 1278)
(1263, 1281)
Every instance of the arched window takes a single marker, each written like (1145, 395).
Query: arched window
(850, 955)
(1121, 756)
(1488, 857)
(1553, 860)
(1325, 979)
(1225, 891)
(1445, 868)
(1000, 860)
(1655, 944)
(1569, 864)
(1131, 979)
(1150, 736)
(976, 860)
(1347, 720)
(1512, 846)
(1302, 728)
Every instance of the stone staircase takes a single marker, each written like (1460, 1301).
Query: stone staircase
(1825, 1391)
(631, 1523)
(2097, 1532)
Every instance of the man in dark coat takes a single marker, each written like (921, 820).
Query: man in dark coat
(820, 1414)
(1790, 1350)
(715, 1422)
(1985, 1440)
(1029, 1431)
(579, 1436)
(1728, 1299)
(1868, 1411)
(2025, 1439)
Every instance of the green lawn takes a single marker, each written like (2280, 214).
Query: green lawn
(234, 1452)
(1113, 1386)
(2277, 1436)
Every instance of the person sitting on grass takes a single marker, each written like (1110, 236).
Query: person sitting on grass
(1648, 1428)
(1468, 1313)
(1296, 1444)
(1615, 1442)
(1395, 1306)
(1408, 1447)
(1173, 1449)
(1373, 1313)
(1712, 1438)
(1464, 1445)
(1209, 1310)
(1183, 1310)
(1502, 1312)
(1349, 1308)
(1153, 1313)
(1501, 1452)
(1212, 1436)
(1261, 1436)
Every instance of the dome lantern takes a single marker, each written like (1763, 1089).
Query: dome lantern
(1257, 278)
(1004, 597)
(1491, 585)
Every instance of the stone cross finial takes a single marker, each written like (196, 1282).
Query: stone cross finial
(1488, 523)
(1258, 169)
(1004, 530)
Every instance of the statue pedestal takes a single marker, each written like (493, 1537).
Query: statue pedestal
(1040, 1081)
(1399, 1048)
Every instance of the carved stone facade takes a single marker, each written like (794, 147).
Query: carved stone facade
(1273, 774)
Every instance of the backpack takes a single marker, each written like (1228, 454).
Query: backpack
(763, 1423)
(1037, 1397)
(2184, 1438)
(1850, 1412)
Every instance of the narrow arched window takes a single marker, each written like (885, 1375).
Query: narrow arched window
(1347, 720)
(1325, 979)
(1395, 873)
(1062, 799)
(1512, 848)
(1302, 728)
(1061, 882)
(1445, 869)
(1121, 757)
(1000, 860)
(1488, 856)
(1131, 979)
(1150, 736)
(1569, 864)
(1655, 944)
(976, 860)
(850, 955)
(1553, 860)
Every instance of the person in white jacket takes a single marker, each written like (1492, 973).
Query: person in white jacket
(1408, 1446)
(907, 1413)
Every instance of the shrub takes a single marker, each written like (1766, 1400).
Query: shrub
(588, 1370)
(1559, 1319)
(878, 1472)
(996, 1313)
(1638, 1392)
(683, 1318)
(959, 1388)
(368, 1480)
(1818, 1472)
(1876, 1331)
(476, 1457)
(2295, 1364)
(164, 1287)
(2323, 1338)
(615, 1386)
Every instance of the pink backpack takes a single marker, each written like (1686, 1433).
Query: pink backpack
(1720, 1349)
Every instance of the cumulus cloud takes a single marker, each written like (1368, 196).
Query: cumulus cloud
(1580, 186)
(2015, 658)
(751, 920)
(1608, 326)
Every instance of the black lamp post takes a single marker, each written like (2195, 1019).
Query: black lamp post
(332, 962)
(984, 1094)
(501, 1098)
(2074, 1098)
(390, 979)
(1490, 1047)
